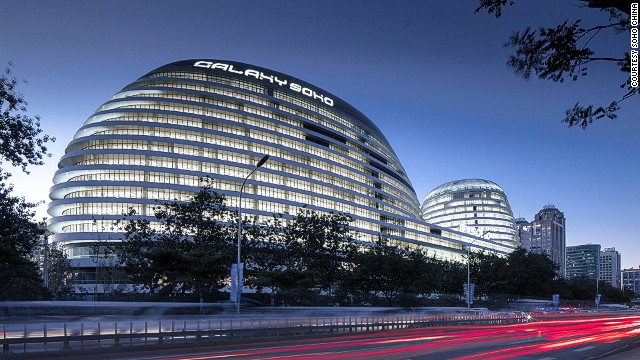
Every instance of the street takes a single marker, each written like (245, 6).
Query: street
(595, 337)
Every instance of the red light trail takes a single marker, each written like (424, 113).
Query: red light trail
(466, 342)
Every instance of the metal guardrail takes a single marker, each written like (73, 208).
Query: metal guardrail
(55, 336)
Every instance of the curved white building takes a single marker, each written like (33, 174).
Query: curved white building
(159, 135)
(475, 206)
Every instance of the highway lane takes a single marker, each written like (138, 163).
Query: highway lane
(579, 338)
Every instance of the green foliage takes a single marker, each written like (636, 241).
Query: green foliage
(59, 272)
(21, 139)
(520, 272)
(190, 254)
(20, 280)
(313, 259)
(385, 269)
(291, 287)
(312, 251)
(320, 243)
(528, 274)
(21, 144)
(611, 294)
(487, 272)
(452, 275)
(532, 275)
(584, 288)
(19, 277)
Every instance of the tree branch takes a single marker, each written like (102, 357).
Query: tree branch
(602, 59)
(621, 5)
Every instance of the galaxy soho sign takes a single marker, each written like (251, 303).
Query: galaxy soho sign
(259, 75)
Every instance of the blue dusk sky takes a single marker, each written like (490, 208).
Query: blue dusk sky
(430, 74)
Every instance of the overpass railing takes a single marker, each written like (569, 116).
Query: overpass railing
(55, 336)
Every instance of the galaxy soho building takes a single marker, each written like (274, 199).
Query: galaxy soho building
(157, 137)
(475, 206)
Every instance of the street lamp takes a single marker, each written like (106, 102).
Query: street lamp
(469, 270)
(469, 275)
(239, 265)
(598, 284)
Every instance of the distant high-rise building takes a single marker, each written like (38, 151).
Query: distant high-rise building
(631, 280)
(524, 232)
(546, 235)
(583, 260)
(610, 267)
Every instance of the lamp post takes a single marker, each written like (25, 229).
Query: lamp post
(469, 276)
(598, 284)
(469, 270)
(239, 265)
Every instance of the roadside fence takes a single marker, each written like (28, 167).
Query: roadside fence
(67, 336)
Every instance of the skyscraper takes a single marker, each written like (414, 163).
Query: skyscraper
(524, 232)
(610, 267)
(583, 260)
(547, 235)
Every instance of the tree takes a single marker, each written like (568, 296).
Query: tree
(453, 275)
(19, 237)
(612, 294)
(581, 288)
(519, 273)
(22, 141)
(302, 257)
(59, 272)
(529, 274)
(564, 52)
(108, 272)
(584, 288)
(188, 255)
(320, 244)
(21, 144)
(487, 272)
(385, 269)
(267, 263)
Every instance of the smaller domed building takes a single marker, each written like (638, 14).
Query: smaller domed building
(474, 206)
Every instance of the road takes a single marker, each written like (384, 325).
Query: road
(580, 338)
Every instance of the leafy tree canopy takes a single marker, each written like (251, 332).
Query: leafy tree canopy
(22, 141)
(189, 254)
(390, 271)
(302, 257)
(564, 52)
(59, 272)
(19, 238)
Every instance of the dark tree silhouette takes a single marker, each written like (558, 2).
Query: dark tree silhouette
(564, 52)
(189, 255)
(22, 142)
(388, 271)
(19, 276)
(301, 258)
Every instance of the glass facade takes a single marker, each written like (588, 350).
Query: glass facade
(475, 206)
(546, 235)
(583, 260)
(160, 135)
